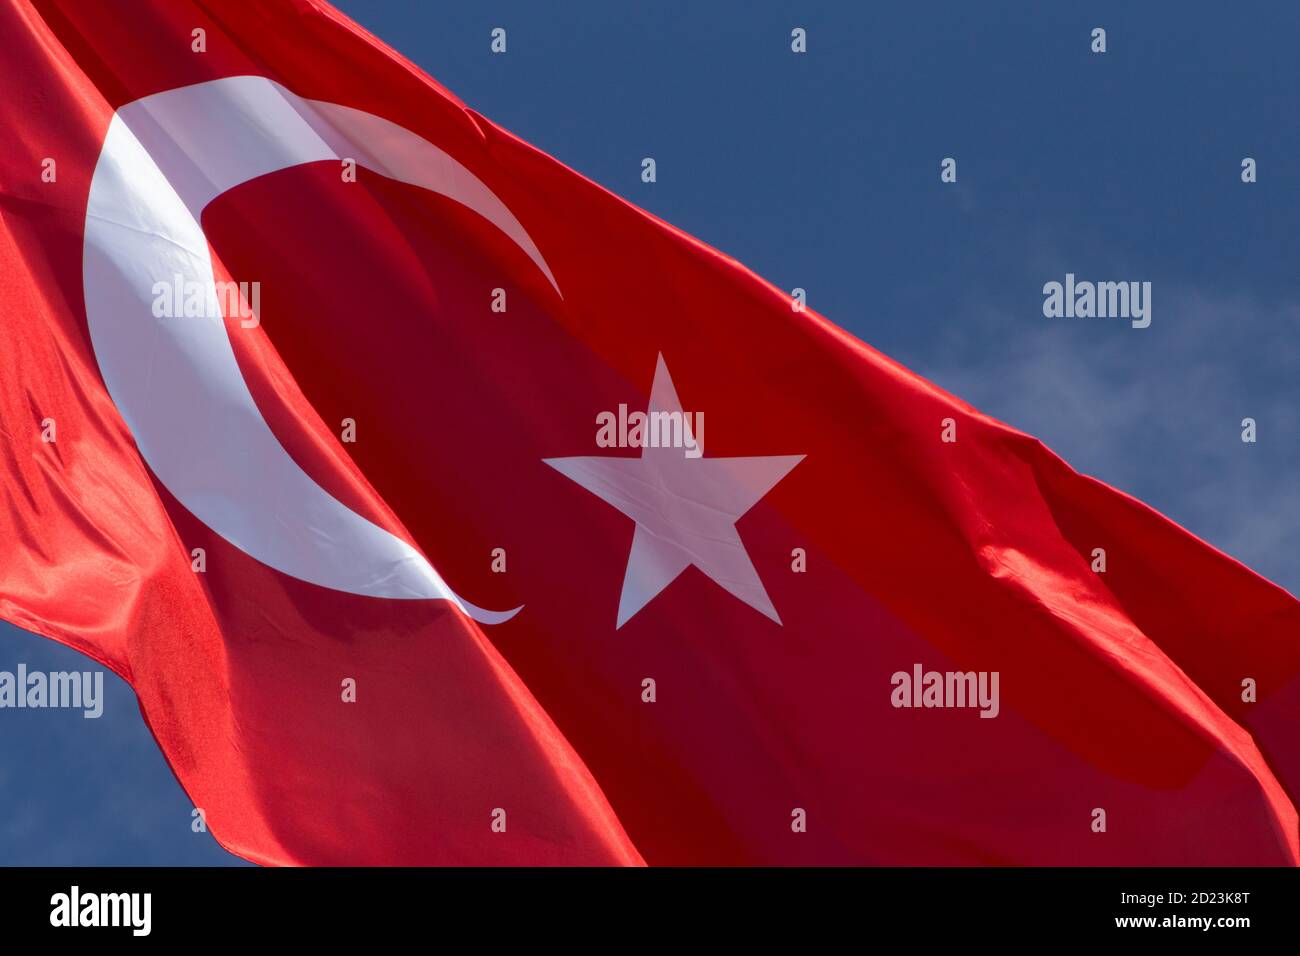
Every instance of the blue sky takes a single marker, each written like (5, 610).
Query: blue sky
(822, 171)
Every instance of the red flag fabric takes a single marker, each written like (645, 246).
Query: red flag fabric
(418, 550)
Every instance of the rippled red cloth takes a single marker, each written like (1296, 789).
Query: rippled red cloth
(772, 738)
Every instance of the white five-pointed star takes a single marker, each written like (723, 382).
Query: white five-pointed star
(685, 510)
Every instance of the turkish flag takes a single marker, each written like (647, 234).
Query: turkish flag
(489, 519)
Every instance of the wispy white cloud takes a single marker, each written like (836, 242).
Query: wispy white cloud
(1156, 412)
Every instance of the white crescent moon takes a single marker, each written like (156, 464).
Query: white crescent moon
(176, 381)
